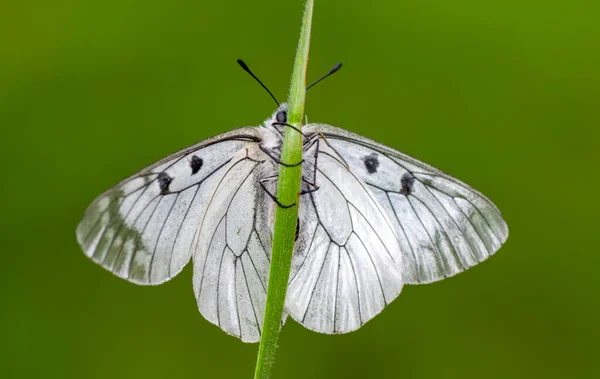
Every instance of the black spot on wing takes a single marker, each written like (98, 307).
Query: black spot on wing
(297, 229)
(408, 182)
(163, 182)
(195, 164)
(371, 163)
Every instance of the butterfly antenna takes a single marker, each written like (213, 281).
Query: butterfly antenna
(331, 72)
(245, 67)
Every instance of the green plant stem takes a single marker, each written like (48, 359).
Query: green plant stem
(288, 189)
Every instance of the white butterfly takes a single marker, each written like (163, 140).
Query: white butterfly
(370, 220)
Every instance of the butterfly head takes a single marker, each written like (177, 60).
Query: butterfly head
(273, 127)
(279, 116)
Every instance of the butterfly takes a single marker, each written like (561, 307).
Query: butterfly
(371, 219)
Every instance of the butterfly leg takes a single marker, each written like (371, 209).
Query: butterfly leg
(310, 190)
(273, 197)
(277, 160)
(280, 132)
(288, 125)
(309, 145)
(312, 185)
(316, 163)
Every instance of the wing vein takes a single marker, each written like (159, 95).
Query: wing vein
(486, 220)
(128, 231)
(312, 294)
(362, 184)
(250, 293)
(455, 223)
(440, 227)
(412, 250)
(374, 231)
(200, 181)
(374, 202)
(312, 240)
(207, 253)
(219, 282)
(141, 236)
(441, 258)
(237, 303)
(355, 282)
(263, 285)
(180, 227)
(197, 236)
(158, 238)
(337, 286)
(374, 268)
(99, 218)
(121, 225)
(481, 237)
(263, 246)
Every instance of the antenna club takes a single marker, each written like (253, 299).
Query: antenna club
(244, 66)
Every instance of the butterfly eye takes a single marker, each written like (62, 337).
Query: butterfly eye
(281, 116)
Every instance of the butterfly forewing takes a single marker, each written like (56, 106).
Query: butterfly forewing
(443, 226)
(142, 229)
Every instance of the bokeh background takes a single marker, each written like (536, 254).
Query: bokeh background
(502, 94)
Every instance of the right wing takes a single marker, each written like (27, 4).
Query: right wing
(443, 225)
(347, 264)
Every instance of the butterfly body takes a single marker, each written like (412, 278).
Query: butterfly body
(370, 220)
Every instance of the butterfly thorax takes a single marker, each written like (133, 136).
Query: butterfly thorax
(272, 134)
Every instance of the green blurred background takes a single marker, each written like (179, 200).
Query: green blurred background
(502, 94)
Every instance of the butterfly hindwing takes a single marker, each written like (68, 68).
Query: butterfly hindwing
(232, 250)
(347, 264)
(142, 229)
(443, 226)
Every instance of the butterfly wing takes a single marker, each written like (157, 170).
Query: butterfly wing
(142, 229)
(347, 264)
(443, 226)
(233, 248)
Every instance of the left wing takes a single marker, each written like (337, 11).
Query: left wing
(232, 249)
(142, 229)
(443, 226)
